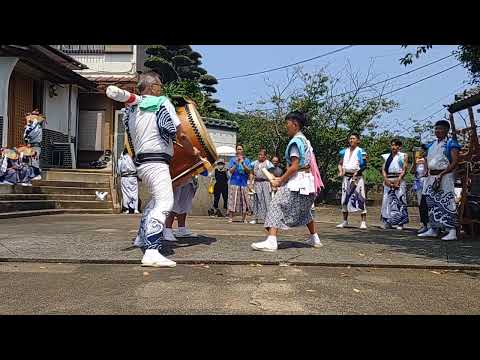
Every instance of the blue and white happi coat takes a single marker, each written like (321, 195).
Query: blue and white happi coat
(442, 209)
(353, 193)
(394, 205)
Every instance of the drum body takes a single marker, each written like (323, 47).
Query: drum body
(183, 165)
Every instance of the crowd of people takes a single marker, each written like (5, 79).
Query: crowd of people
(279, 198)
(20, 165)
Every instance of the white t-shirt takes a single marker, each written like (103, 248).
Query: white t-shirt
(144, 131)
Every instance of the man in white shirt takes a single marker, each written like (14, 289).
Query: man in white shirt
(439, 186)
(152, 125)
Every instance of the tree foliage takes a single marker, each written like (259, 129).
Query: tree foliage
(180, 71)
(469, 55)
(333, 116)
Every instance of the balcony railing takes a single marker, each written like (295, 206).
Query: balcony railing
(94, 49)
(81, 49)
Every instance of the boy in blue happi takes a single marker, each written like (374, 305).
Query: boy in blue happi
(297, 188)
(439, 186)
(394, 205)
(352, 163)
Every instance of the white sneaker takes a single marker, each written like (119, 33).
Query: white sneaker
(26, 184)
(136, 212)
(269, 245)
(400, 227)
(422, 230)
(184, 232)
(168, 235)
(342, 224)
(363, 225)
(314, 241)
(253, 222)
(153, 258)
(452, 235)
(386, 226)
(38, 177)
(126, 212)
(429, 233)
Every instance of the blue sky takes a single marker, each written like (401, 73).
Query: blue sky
(417, 101)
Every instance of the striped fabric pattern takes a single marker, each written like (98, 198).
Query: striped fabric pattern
(166, 127)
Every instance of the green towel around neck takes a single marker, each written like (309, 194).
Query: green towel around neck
(152, 103)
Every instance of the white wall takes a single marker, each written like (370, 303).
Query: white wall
(222, 137)
(56, 109)
(6, 67)
(114, 63)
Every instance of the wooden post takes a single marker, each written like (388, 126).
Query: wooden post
(474, 139)
(452, 125)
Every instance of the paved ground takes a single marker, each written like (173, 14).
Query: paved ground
(39, 288)
(107, 239)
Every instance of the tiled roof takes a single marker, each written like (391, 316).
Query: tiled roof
(220, 123)
(466, 99)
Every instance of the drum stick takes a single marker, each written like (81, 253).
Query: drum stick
(117, 94)
(268, 175)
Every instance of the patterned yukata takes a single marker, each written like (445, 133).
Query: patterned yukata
(418, 183)
(442, 210)
(129, 183)
(151, 128)
(394, 205)
(263, 189)
(292, 204)
(353, 195)
(32, 135)
(238, 199)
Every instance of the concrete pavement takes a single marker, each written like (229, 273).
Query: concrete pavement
(39, 288)
(107, 239)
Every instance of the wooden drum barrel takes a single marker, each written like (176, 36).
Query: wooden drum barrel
(184, 166)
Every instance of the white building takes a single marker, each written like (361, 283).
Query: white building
(41, 77)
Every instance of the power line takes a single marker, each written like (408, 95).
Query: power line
(395, 77)
(414, 83)
(286, 66)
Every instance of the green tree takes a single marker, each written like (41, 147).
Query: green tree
(333, 116)
(469, 55)
(180, 69)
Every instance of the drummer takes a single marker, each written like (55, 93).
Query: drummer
(152, 125)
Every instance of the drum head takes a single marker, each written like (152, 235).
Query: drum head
(202, 133)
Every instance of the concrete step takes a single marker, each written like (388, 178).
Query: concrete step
(7, 189)
(26, 205)
(86, 171)
(76, 184)
(87, 211)
(67, 204)
(61, 196)
(29, 213)
(94, 177)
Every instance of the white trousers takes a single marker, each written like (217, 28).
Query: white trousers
(129, 186)
(157, 178)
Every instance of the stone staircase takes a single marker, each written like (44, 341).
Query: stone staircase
(59, 191)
